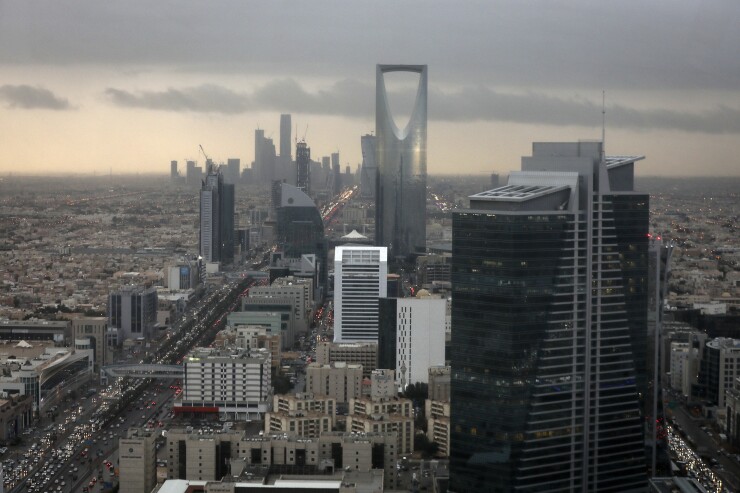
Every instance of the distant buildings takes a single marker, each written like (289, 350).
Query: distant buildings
(303, 167)
(300, 232)
(264, 157)
(549, 307)
(184, 275)
(360, 275)
(369, 171)
(401, 155)
(94, 330)
(233, 170)
(132, 312)
(285, 130)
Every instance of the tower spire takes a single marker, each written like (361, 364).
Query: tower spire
(603, 125)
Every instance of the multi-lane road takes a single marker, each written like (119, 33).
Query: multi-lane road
(89, 430)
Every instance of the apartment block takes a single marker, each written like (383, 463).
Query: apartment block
(359, 353)
(340, 381)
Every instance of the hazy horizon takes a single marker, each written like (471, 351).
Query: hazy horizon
(89, 86)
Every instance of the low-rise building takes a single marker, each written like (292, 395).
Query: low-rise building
(16, 414)
(340, 381)
(439, 383)
(402, 426)
(358, 353)
(331, 452)
(197, 455)
(386, 415)
(438, 424)
(137, 457)
(305, 424)
(383, 384)
(231, 381)
(94, 330)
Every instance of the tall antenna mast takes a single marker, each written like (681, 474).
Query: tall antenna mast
(603, 125)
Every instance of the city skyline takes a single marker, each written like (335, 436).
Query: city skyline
(80, 95)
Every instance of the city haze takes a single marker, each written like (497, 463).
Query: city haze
(99, 88)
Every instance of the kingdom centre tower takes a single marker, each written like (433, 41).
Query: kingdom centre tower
(400, 217)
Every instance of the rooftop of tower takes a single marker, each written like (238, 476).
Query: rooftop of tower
(518, 192)
(615, 161)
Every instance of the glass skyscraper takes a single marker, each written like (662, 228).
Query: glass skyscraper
(401, 153)
(549, 314)
(216, 218)
(301, 229)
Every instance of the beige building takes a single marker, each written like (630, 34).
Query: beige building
(438, 424)
(359, 353)
(137, 459)
(439, 383)
(299, 423)
(389, 405)
(305, 402)
(388, 415)
(340, 381)
(402, 426)
(383, 384)
(16, 413)
(257, 337)
(195, 455)
(95, 329)
(338, 451)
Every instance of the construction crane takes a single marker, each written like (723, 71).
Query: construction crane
(205, 156)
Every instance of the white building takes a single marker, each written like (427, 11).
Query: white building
(679, 365)
(412, 337)
(360, 274)
(235, 381)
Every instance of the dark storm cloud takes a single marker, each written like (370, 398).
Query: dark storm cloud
(29, 97)
(631, 44)
(354, 99)
(205, 99)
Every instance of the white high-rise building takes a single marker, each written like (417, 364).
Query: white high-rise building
(360, 279)
(412, 337)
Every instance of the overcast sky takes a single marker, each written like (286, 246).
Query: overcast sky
(129, 85)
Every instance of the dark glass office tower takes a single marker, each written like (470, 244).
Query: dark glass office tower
(301, 229)
(549, 327)
(216, 218)
(227, 223)
(303, 167)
